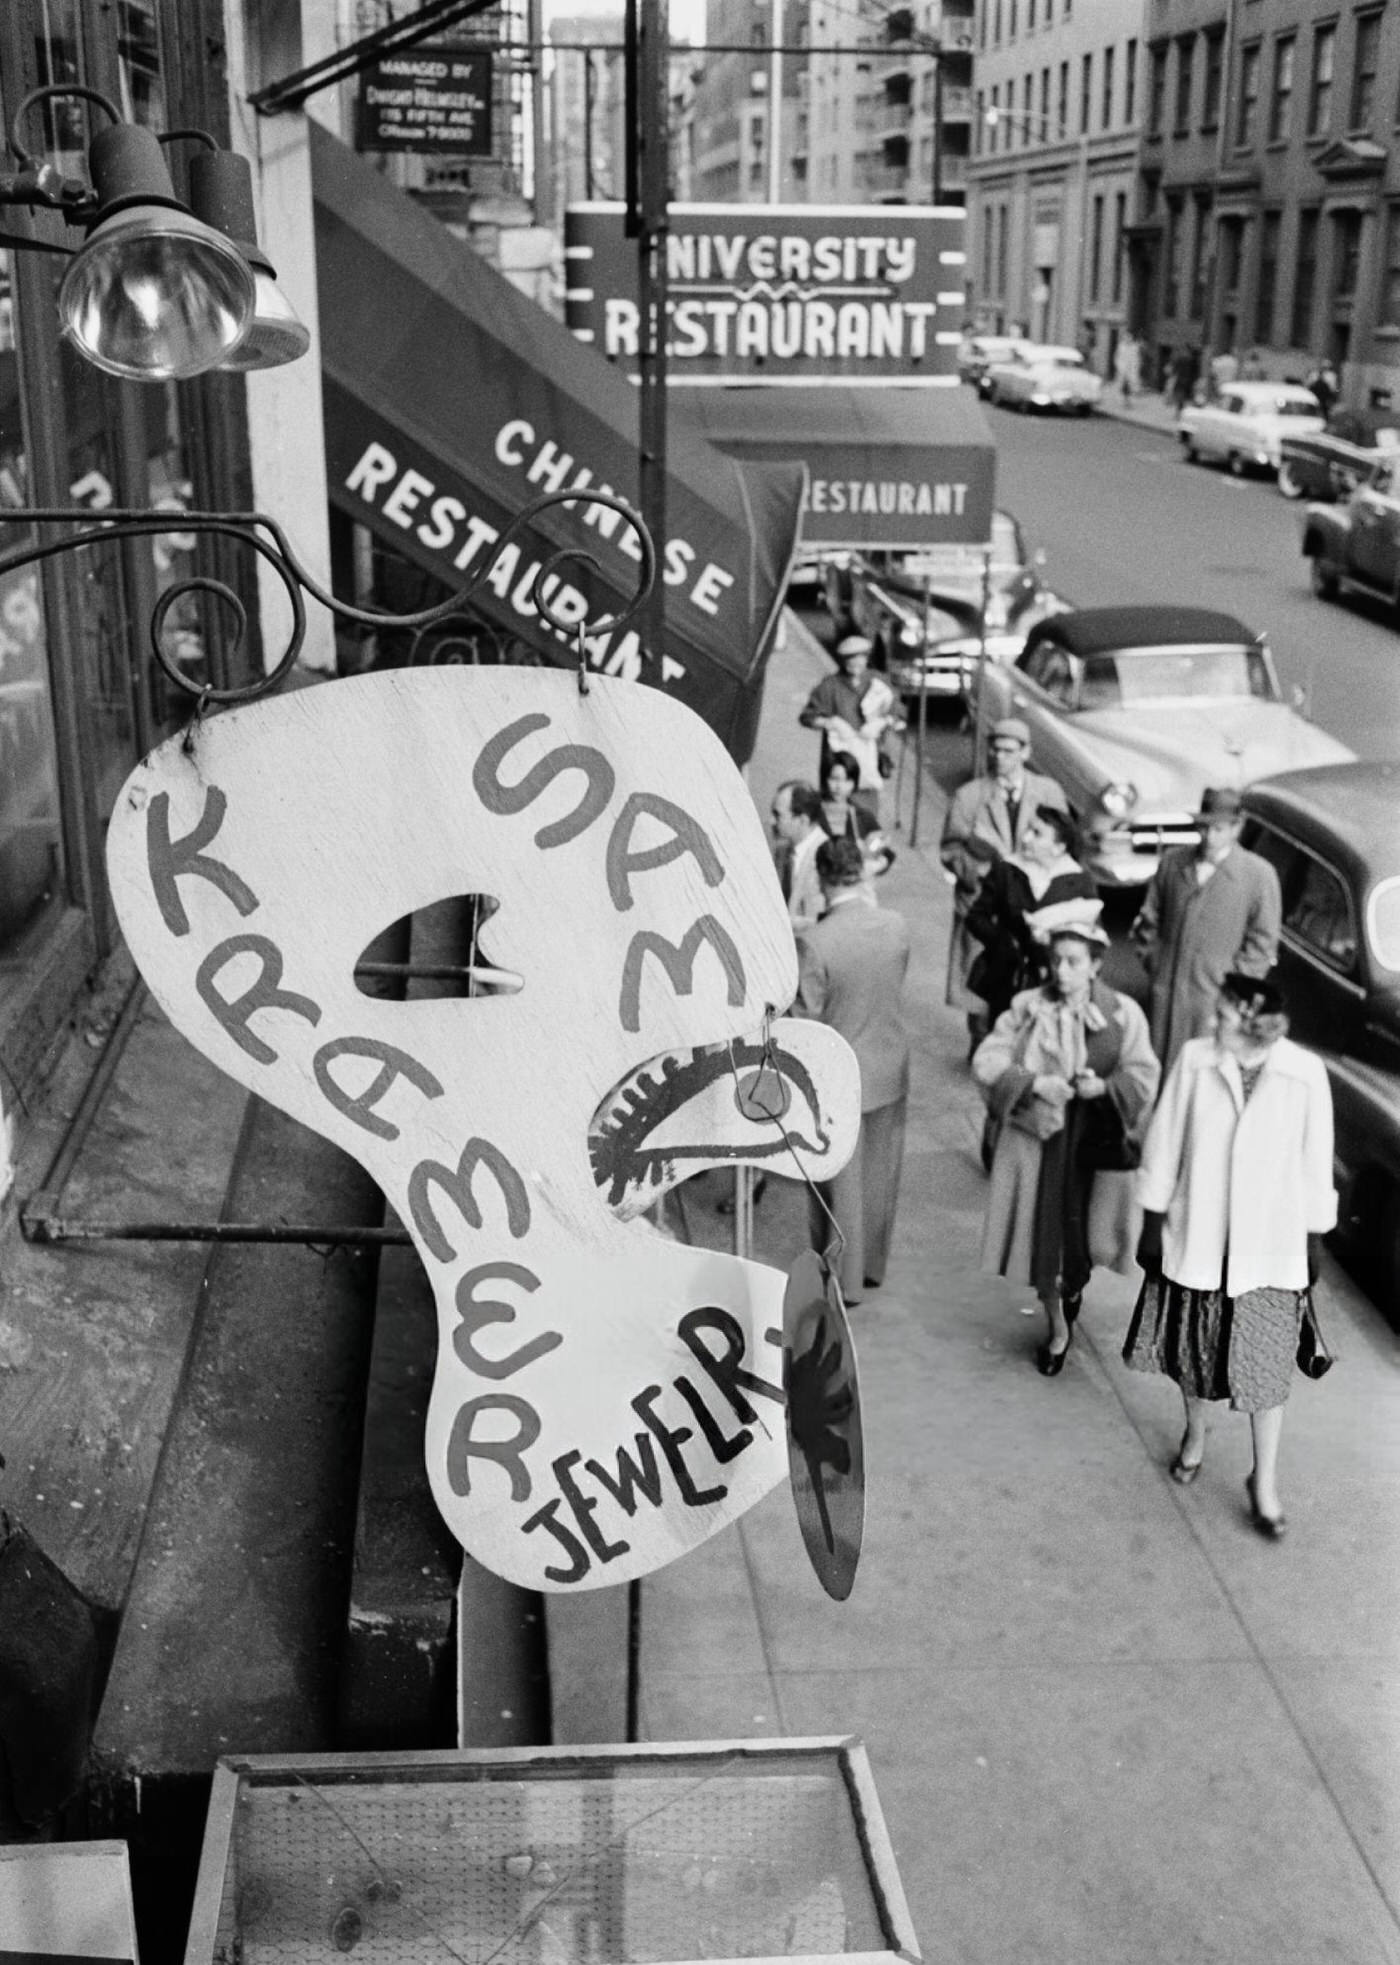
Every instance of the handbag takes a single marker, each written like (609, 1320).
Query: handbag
(1313, 1357)
(1104, 1144)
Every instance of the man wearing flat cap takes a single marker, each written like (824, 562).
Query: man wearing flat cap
(987, 820)
(853, 710)
(1210, 910)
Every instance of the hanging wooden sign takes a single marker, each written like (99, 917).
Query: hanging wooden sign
(604, 1398)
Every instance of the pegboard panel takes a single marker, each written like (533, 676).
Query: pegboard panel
(620, 1867)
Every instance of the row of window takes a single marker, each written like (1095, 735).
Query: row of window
(1186, 251)
(1176, 65)
(993, 17)
(1107, 248)
(1042, 112)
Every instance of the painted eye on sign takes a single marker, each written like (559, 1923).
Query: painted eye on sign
(604, 1398)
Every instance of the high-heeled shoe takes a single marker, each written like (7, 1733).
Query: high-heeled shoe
(1182, 1470)
(1051, 1363)
(1271, 1527)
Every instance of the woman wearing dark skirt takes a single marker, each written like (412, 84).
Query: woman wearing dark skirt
(1043, 873)
(1236, 1190)
(1067, 1068)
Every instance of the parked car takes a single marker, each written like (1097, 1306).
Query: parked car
(1330, 463)
(1136, 710)
(1245, 428)
(1357, 543)
(1333, 839)
(922, 608)
(977, 352)
(1036, 377)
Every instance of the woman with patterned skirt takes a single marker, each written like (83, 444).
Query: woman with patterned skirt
(1236, 1190)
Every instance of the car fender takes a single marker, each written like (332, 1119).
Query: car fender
(1326, 532)
(1366, 1114)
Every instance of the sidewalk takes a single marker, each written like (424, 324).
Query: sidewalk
(1106, 1722)
(1148, 408)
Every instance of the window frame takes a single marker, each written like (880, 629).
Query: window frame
(1281, 94)
(1361, 101)
(1322, 79)
(1247, 94)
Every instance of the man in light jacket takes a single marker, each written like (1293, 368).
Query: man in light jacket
(1209, 910)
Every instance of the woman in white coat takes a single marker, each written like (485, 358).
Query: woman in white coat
(1236, 1190)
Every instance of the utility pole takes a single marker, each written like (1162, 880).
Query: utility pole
(775, 105)
(648, 194)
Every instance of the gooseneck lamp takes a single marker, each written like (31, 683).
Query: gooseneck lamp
(155, 295)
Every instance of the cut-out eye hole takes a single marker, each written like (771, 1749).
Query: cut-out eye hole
(437, 951)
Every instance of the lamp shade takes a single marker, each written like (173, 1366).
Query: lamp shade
(155, 295)
(221, 192)
(277, 336)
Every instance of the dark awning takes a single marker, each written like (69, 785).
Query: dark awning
(886, 467)
(451, 400)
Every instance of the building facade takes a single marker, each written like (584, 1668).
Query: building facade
(1270, 187)
(876, 103)
(1051, 181)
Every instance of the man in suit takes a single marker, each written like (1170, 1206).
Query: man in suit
(796, 813)
(851, 976)
(987, 819)
(1211, 910)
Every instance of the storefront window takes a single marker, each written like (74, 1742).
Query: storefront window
(30, 868)
(105, 634)
(169, 489)
(138, 55)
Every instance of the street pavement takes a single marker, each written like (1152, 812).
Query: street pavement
(1107, 1722)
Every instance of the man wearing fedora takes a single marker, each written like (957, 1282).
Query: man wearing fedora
(1211, 910)
(853, 710)
(987, 819)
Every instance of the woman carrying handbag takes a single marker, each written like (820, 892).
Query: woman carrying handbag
(1069, 1078)
(1236, 1190)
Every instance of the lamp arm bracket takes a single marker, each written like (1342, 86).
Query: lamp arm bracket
(263, 534)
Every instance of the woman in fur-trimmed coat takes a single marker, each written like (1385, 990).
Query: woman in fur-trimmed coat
(1069, 1065)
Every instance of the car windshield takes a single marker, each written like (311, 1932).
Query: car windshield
(1383, 923)
(1119, 681)
(1284, 406)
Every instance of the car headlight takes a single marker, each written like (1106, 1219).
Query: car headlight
(911, 634)
(1118, 800)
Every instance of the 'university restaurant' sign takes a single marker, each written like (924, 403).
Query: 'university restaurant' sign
(780, 293)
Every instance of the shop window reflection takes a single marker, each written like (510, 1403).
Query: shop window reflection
(30, 866)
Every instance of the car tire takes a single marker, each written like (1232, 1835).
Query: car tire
(1234, 464)
(1189, 451)
(1288, 481)
(1324, 577)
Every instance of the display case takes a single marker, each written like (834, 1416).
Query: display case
(550, 1856)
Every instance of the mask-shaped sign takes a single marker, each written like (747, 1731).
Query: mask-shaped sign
(604, 1398)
